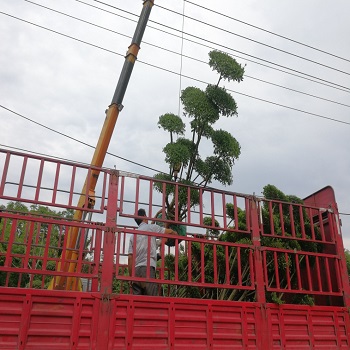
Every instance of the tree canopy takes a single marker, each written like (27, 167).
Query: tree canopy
(186, 160)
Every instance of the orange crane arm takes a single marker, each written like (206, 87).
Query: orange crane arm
(68, 264)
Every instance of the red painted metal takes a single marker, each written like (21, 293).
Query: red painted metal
(106, 316)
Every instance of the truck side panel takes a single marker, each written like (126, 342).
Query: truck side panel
(34, 319)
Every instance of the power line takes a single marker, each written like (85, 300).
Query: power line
(254, 41)
(267, 31)
(182, 55)
(170, 71)
(225, 47)
(74, 139)
(321, 82)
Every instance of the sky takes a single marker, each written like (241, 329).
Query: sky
(60, 72)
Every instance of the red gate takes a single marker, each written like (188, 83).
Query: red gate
(230, 283)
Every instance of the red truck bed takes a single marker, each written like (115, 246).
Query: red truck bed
(104, 315)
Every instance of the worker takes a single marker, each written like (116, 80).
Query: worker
(141, 260)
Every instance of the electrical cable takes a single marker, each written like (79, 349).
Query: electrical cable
(268, 31)
(223, 46)
(213, 48)
(72, 138)
(181, 55)
(192, 58)
(253, 40)
(170, 71)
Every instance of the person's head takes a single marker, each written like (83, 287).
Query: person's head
(141, 212)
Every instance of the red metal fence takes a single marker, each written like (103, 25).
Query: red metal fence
(240, 253)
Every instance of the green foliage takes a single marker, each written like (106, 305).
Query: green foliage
(222, 99)
(226, 66)
(214, 168)
(276, 299)
(281, 259)
(197, 105)
(172, 123)
(208, 221)
(42, 239)
(204, 108)
(225, 146)
(347, 258)
(176, 153)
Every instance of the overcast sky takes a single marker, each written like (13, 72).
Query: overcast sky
(66, 84)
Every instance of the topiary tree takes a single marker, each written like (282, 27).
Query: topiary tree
(187, 164)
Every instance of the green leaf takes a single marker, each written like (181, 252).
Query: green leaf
(196, 104)
(172, 123)
(225, 145)
(222, 99)
(226, 66)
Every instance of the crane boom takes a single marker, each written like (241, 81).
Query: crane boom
(88, 191)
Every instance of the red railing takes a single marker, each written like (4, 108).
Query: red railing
(250, 249)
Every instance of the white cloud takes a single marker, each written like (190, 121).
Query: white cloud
(67, 86)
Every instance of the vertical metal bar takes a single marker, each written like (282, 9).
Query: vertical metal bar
(215, 264)
(8, 258)
(309, 279)
(338, 275)
(292, 223)
(176, 262)
(72, 181)
(117, 257)
(328, 275)
(239, 266)
(137, 195)
(47, 244)
(4, 173)
(251, 268)
(272, 224)
(312, 224)
(298, 271)
(235, 212)
(227, 265)
(258, 265)
(188, 205)
(289, 286)
(57, 175)
(265, 268)
(150, 199)
(224, 211)
(189, 264)
(302, 224)
(212, 205)
(20, 185)
(176, 206)
(162, 266)
(320, 220)
(201, 206)
(104, 189)
(318, 274)
(38, 185)
(275, 259)
(164, 214)
(95, 263)
(247, 211)
(333, 229)
(202, 263)
(280, 208)
(121, 201)
(85, 191)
